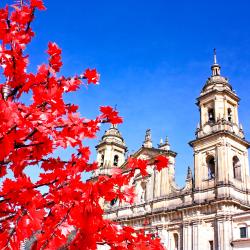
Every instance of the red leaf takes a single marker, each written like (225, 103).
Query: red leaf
(55, 56)
(92, 76)
(37, 4)
(110, 115)
(140, 164)
(3, 171)
(161, 162)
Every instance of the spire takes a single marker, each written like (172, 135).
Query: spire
(215, 67)
(161, 142)
(215, 59)
(148, 140)
(165, 145)
(166, 140)
(189, 174)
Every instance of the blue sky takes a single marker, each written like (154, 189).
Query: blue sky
(153, 57)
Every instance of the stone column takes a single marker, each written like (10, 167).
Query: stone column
(157, 183)
(164, 236)
(245, 166)
(203, 116)
(221, 168)
(216, 108)
(225, 108)
(164, 182)
(197, 169)
(236, 114)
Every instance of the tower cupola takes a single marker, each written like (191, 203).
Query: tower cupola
(218, 105)
(111, 151)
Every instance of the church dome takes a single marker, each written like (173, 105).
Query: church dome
(216, 81)
(112, 134)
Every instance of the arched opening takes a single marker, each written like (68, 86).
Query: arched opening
(229, 115)
(102, 160)
(143, 191)
(211, 167)
(211, 117)
(113, 202)
(176, 241)
(236, 168)
(217, 71)
(116, 159)
(211, 245)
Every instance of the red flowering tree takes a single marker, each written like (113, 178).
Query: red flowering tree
(69, 214)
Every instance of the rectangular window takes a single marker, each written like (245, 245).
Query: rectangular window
(211, 245)
(243, 232)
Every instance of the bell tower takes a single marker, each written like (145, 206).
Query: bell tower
(220, 148)
(110, 151)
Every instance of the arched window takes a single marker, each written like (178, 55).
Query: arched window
(116, 159)
(102, 160)
(211, 167)
(113, 202)
(143, 192)
(229, 115)
(211, 245)
(236, 168)
(176, 241)
(211, 115)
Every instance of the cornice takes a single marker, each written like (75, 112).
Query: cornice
(222, 132)
(216, 91)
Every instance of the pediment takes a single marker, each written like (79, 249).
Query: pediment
(146, 153)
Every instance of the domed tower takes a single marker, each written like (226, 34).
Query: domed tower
(220, 148)
(110, 151)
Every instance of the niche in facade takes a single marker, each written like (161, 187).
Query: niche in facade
(116, 159)
(236, 168)
(102, 160)
(176, 241)
(211, 117)
(211, 167)
(229, 115)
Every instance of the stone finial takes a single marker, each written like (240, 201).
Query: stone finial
(189, 173)
(148, 140)
(166, 140)
(165, 145)
(161, 142)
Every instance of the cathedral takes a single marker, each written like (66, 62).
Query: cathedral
(212, 210)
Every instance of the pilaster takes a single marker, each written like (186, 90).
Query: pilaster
(187, 236)
(224, 233)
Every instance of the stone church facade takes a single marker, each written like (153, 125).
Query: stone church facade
(212, 210)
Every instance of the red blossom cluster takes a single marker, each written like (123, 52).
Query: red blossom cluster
(70, 213)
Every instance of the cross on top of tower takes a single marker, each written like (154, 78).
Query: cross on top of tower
(215, 59)
(215, 67)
